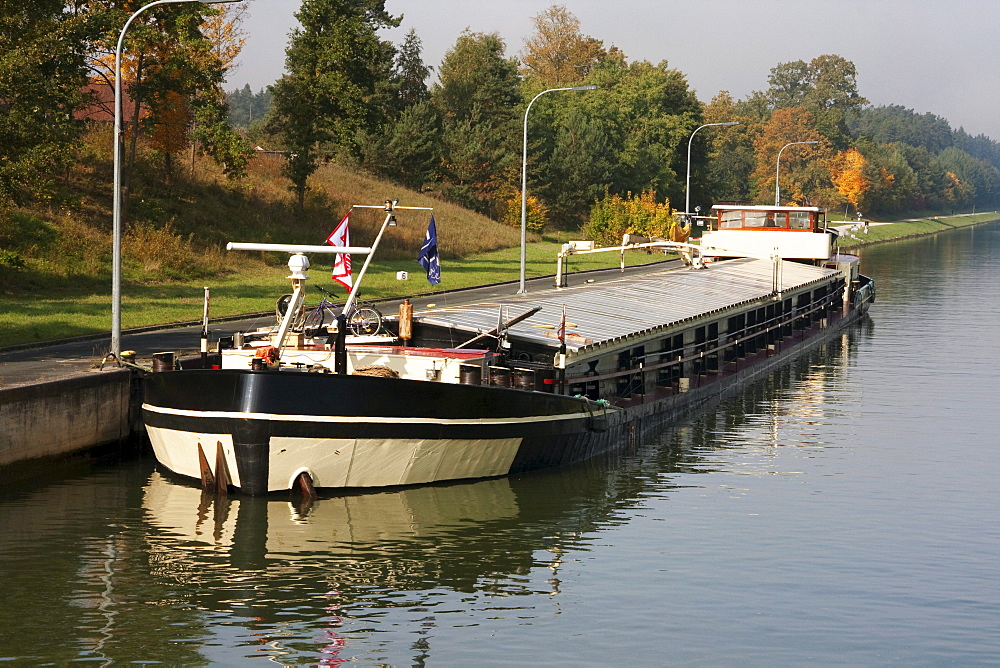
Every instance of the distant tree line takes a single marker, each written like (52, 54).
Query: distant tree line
(349, 95)
(246, 107)
(370, 103)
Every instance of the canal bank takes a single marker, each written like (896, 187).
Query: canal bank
(856, 235)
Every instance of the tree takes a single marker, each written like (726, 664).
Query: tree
(730, 157)
(849, 177)
(614, 215)
(336, 65)
(892, 183)
(804, 176)
(170, 134)
(557, 54)
(406, 152)
(578, 170)
(893, 123)
(244, 107)
(974, 182)
(410, 73)
(477, 79)
(405, 148)
(477, 98)
(174, 61)
(826, 87)
(42, 72)
(649, 113)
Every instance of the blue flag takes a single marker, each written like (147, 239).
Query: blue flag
(429, 254)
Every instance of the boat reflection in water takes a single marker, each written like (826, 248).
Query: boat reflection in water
(280, 574)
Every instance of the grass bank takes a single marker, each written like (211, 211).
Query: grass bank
(56, 314)
(908, 229)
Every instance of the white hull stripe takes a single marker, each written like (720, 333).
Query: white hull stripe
(275, 417)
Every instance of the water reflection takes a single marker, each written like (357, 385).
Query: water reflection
(795, 406)
(132, 565)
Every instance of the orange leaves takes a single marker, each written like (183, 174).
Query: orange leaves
(225, 30)
(800, 171)
(170, 134)
(848, 175)
(558, 54)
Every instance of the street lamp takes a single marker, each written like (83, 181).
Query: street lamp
(687, 185)
(116, 210)
(524, 180)
(777, 169)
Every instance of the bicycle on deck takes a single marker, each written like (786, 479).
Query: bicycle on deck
(363, 319)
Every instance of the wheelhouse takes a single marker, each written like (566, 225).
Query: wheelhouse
(789, 232)
(792, 218)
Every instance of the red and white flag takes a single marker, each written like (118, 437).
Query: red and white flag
(342, 262)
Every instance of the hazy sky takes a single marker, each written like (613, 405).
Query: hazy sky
(938, 56)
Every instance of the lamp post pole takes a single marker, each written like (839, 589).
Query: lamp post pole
(687, 183)
(116, 210)
(524, 181)
(777, 169)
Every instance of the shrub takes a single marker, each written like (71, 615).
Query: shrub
(614, 216)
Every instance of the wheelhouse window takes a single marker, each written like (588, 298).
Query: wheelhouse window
(800, 220)
(730, 220)
(766, 220)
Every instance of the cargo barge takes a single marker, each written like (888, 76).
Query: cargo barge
(494, 389)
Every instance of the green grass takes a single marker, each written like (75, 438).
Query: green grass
(53, 315)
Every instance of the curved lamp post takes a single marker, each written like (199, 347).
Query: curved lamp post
(687, 183)
(777, 169)
(524, 180)
(116, 210)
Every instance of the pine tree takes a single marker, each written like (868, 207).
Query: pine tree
(336, 64)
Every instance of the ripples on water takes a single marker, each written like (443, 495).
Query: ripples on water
(842, 511)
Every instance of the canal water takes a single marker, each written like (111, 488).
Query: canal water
(844, 511)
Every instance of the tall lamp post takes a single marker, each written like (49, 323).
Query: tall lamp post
(777, 169)
(524, 180)
(687, 184)
(116, 210)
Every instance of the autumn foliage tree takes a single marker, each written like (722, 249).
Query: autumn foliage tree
(848, 174)
(614, 216)
(558, 54)
(173, 65)
(803, 171)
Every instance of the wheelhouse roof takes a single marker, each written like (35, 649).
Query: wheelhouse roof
(608, 312)
(762, 207)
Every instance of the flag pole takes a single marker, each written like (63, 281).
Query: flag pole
(390, 219)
